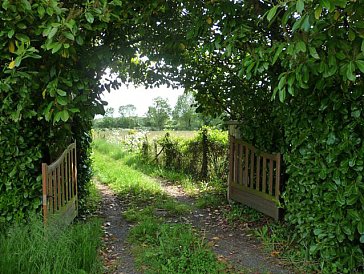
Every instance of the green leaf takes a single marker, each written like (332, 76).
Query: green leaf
(271, 13)
(313, 53)
(326, 4)
(300, 5)
(282, 82)
(11, 33)
(300, 46)
(89, 17)
(351, 35)
(74, 110)
(69, 36)
(350, 71)
(64, 115)
(41, 11)
(57, 116)
(61, 92)
(362, 239)
(360, 65)
(361, 227)
(278, 52)
(331, 139)
(318, 12)
(56, 47)
(52, 32)
(362, 45)
(62, 100)
(282, 95)
(22, 37)
(306, 23)
(26, 5)
(356, 113)
(79, 40)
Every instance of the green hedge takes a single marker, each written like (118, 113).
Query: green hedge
(204, 157)
(324, 193)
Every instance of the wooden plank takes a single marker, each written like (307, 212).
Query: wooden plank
(240, 179)
(270, 176)
(265, 196)
(246, 166)
(257, 181)
(55, 196)
(58, 183)
(236, 162)
(76, 191)
(70, 176)
(267, 207)
(231, 161)
(66, 177)
(264, 171)
(278, 176)
(44, 190)
(252, 160)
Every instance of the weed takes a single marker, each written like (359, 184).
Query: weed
(31, 248)
(173, 249)
(242, 213)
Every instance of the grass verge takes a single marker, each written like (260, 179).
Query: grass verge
(160, 245)
(31, 248)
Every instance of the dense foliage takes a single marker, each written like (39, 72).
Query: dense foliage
(204, 157)
(308, 56)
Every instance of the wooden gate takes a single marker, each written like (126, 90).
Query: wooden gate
(254, 176)
(60, 188)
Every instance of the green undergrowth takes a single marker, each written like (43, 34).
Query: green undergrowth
(172, 248)
(150, 168)
(160, 244)
(279, 241)
(31, 248)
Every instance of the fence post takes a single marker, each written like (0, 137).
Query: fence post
(205, 151)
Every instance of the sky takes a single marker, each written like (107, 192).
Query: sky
(140, 97)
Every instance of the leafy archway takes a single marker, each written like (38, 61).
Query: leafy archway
(234, 55)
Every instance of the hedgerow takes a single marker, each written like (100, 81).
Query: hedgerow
(204, 157)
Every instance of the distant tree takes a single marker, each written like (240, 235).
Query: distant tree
(184, 113)
(109, 112)
(159, 113)
(127, 110)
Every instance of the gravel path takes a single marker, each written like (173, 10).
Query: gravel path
(116, 252)
(232, 245)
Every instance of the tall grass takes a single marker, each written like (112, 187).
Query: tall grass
(32, 248)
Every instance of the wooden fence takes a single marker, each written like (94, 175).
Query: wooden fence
(254, 176)
(60, 187)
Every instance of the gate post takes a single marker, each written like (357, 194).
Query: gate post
(44, 190)
(234, 133)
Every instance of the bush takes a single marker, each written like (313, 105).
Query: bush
(204, 156)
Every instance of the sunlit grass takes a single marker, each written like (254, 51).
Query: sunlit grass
(31, 248)
(159, 246)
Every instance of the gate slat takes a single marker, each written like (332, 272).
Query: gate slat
(257, 185)
(252, 159)
(246, 166)
(270, 176)
(59, 186)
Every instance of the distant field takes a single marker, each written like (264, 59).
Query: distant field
(118, 135)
